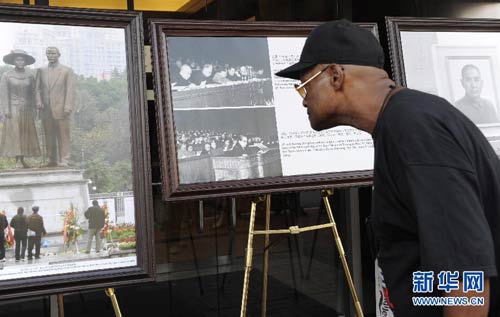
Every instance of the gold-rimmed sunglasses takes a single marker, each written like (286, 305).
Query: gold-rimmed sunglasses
(301, 89)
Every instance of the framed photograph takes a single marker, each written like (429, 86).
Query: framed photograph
(457, 59)
(228, 126)
(75, 188)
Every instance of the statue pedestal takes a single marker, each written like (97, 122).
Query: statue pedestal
(53, 190)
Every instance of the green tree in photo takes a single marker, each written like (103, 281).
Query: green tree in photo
(101, 133)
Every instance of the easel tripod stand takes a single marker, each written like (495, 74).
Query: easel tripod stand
(325, 194)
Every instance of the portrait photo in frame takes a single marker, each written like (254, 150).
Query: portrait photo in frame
(228, 126)
(75, 177)
(456, 59)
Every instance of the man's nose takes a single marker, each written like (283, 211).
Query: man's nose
(304, 103)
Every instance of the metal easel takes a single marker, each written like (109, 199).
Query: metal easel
(57, 303)
(325, 194)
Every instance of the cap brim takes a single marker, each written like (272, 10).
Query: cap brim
(294, 71)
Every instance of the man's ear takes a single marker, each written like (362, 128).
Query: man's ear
(337, 76)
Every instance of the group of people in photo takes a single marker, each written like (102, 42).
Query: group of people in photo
(191, 74)
(29, 230)
(25, 95)
(211, 143)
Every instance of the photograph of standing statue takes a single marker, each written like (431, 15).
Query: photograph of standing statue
(66, 191)
(17, 88)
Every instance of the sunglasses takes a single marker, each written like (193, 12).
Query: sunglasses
(301, 89)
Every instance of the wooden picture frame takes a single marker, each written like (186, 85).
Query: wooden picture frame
(101, 70)
(430, 54)
(251, 108)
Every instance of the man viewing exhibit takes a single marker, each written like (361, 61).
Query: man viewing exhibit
(436, 183)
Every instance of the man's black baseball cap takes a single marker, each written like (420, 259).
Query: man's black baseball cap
(340, 42)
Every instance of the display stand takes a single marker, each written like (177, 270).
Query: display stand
(291, 230)
(57, 303)
(111, 294)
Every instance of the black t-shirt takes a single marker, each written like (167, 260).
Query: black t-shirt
(436, 202)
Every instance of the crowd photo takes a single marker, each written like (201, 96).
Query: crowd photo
(227, 144)
(204, 76)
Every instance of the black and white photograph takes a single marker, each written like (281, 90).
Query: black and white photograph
(223, 107)
(228, 125)
(67, 195)
(226, 144)
(465, 75)
(226, 72)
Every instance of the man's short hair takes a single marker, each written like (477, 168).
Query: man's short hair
(35, 209)
(20, 209)
(469, 66)
(53, 48)
(95, 203)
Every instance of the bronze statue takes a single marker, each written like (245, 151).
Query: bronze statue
(56, 100)
(17, 109)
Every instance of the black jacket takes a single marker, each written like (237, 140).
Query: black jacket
(3, 222)
(35, 223)
(96, 217)
(20, 225)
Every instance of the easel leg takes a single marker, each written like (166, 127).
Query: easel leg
(233, 212)
(266, 256)
(325, 194)
(201, 216)
(290, 255)
(60, 304)
(248, 258)
(111, 294)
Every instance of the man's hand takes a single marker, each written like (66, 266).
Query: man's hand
(469, 311)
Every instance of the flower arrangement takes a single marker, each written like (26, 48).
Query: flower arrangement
(71, 229)
(125, 236)
(127, 245)
(106, 230)
(9, 236)
(122, 231)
